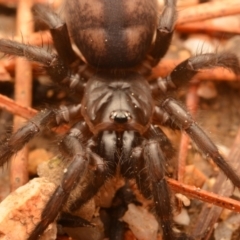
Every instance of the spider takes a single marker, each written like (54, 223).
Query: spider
(117, 121)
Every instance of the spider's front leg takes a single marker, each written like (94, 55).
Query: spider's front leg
(184, 121)
(155, 162)
(164, 31)
(59, 32)
(63, 67)
(59, 71)
(172, 114)
(45, 119)
(184, 72)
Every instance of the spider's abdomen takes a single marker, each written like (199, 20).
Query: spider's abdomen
(112, 33)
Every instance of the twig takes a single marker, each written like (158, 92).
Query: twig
(23, 94)
(208, 10)
(24, 112)
(227, 25)
(15, 108)
(13, 3)
(204, 196)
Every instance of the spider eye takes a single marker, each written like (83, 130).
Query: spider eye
(120, 116)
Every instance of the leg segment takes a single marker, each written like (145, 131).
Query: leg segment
(98, 178)
(58, 31)
(181, 75)
(155, 163)
(186, 70)
(72, 176)
(75, 172)
(164, 31)
(140, 169)
(55, 67)
(106, 148)
(69, 220)
(45, 119)
(184, 120)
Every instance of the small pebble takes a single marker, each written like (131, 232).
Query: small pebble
(182, 218)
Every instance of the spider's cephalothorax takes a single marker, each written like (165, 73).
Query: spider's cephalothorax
(117, 118)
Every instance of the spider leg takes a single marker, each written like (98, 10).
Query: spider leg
(140, 170)
(71, 177)
(79, 167)
(186, 70)
(155, 163)
(69, 220)
(58, 30)
(90, 190)
(106, 148)
(141, 173)
(164, 31)
(184, 121)
(59, 72)
(44, 119)
(98, 178)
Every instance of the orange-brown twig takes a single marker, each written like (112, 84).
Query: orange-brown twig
(208, 10)
(15, 108)
(23, 94)
(13, 3)
(204, 196)
(228, 25)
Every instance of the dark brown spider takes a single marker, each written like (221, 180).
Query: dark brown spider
(117, 119)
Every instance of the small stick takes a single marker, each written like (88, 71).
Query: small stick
(208, 10)
(212, 25)
(23, 95)
(13, 3)
(24, 112)
(15, 108)
(205, 196)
